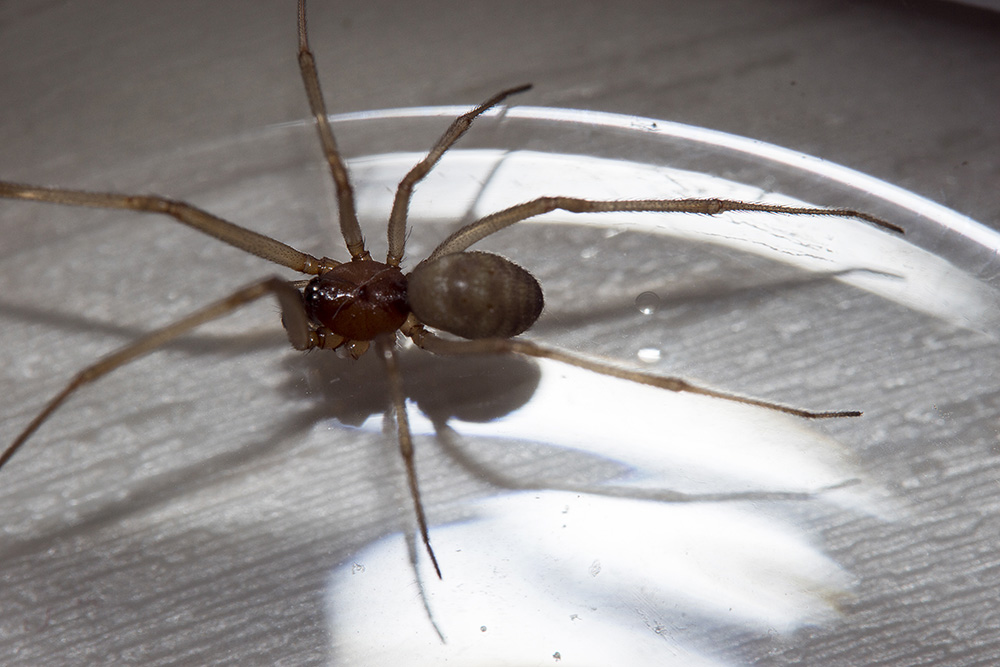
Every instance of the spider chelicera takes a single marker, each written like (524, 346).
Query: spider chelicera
(481, 298)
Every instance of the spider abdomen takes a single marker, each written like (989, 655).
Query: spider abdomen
(475, 295)
(358, 300)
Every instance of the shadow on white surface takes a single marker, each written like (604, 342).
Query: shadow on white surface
(206, 480)
(598, 580)
(616, 570)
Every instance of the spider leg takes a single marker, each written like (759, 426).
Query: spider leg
(293, 317)
(192, 216)
(387, 351)
(446, 346)
(490, 224)
(401, 203)
(349, 225)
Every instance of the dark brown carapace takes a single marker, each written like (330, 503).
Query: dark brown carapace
(358, 300)
(483, 299)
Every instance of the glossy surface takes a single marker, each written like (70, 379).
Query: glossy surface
(247, 461)
(358, 300)
(232, 473)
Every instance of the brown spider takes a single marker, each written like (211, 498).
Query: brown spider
(483, 299)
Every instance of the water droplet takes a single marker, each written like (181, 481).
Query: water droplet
(647, 303)
(482, 628)
(649, 355)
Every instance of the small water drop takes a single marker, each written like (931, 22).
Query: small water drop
(649, 355)
(647, 303)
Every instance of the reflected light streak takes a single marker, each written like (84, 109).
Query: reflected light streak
(600, 580)
(607, 580)
(682, 442)
(979, 234)
(894, 268)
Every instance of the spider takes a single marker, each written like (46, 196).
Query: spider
(484, 301)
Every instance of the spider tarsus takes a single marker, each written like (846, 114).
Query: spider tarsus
(434, 560)
(834, 414)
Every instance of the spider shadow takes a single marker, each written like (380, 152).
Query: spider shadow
(467, 389)
(483, 389)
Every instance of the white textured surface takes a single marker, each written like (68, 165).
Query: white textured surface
(200, 507)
